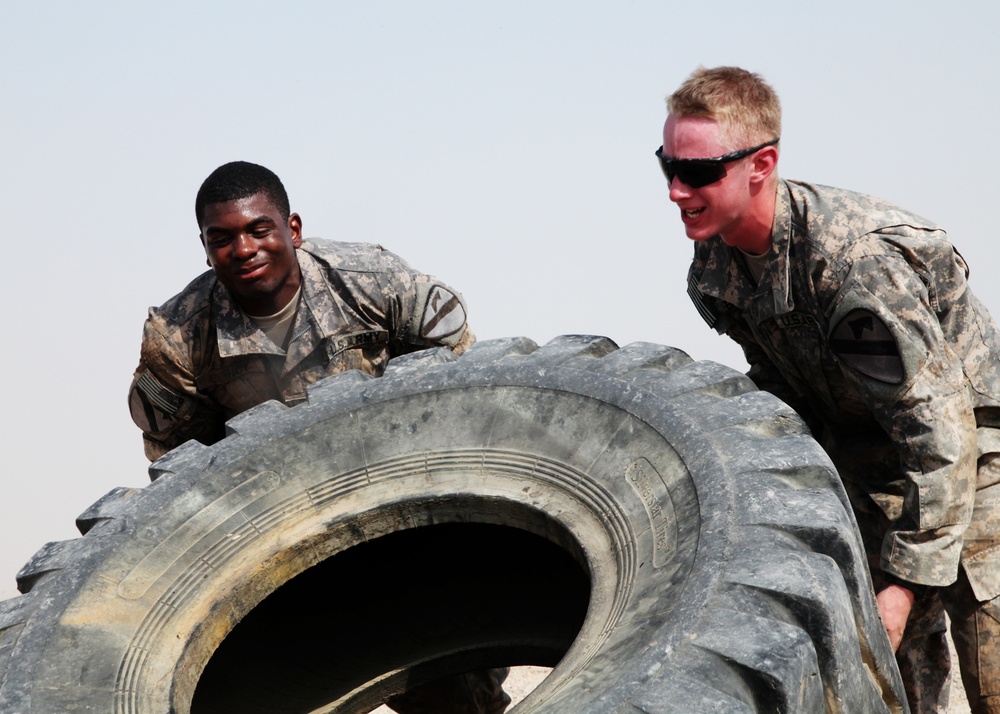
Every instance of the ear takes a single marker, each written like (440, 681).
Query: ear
(765, 163)
(201, 237)
(295, 227)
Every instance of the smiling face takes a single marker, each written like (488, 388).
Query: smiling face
(251, 248)
(737, 207)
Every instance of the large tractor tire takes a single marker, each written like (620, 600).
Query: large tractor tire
(666, 537)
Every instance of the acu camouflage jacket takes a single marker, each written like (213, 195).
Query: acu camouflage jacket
(863, 321)
(204, 361)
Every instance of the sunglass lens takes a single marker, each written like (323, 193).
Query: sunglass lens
(697, 174)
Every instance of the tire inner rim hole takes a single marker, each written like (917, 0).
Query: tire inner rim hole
(423, 602)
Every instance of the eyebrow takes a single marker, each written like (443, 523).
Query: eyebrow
(724, 159)
(250, 225)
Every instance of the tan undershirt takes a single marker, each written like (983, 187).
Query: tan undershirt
(755, 263)
(278, 327)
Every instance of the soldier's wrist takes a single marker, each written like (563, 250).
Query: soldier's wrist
(917, 589)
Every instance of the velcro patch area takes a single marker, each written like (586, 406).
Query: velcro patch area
(158, 395)
(154, 408)
(707, 312)
(444, 315)
(864, 343)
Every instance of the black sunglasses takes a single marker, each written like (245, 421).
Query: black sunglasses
(701, 172)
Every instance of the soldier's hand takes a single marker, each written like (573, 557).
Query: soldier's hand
(894, 604)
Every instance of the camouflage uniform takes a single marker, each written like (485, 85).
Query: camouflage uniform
(864, 322)
(204, 361)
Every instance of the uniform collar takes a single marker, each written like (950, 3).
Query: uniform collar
(781, 249)
(239, 335)
(724, 278)
(318, 311)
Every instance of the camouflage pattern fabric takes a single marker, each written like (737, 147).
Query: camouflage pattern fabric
(864, 322)
(204, 361)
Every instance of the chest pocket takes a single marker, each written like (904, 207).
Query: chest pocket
(797, 346)
(240, 382)
(795, 342)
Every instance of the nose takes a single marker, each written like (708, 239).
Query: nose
(244, 246)
(679, 190)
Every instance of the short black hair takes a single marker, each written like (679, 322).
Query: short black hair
(240, 179)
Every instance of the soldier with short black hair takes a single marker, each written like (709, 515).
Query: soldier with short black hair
(859, 315)
(275, 314)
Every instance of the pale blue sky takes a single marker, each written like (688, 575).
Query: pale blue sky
(506, 147)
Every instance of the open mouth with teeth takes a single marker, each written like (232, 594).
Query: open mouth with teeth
(693, 212)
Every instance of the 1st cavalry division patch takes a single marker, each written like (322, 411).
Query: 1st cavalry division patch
(864, 343)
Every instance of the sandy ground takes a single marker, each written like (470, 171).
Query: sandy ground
(518, 685)
(958, 703)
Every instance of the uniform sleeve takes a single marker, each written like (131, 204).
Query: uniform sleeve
(426, 311)
(885, 328)
(163, 400)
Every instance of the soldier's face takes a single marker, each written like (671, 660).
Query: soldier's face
(720, 208)
(252, 251)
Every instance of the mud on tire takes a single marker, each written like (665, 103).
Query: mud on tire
(664, 535)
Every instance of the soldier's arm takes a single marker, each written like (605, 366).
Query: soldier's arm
(163, 400)
(886, 332)
(422, 311)
(436, 316)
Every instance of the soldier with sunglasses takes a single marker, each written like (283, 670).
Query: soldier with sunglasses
(858, 314)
